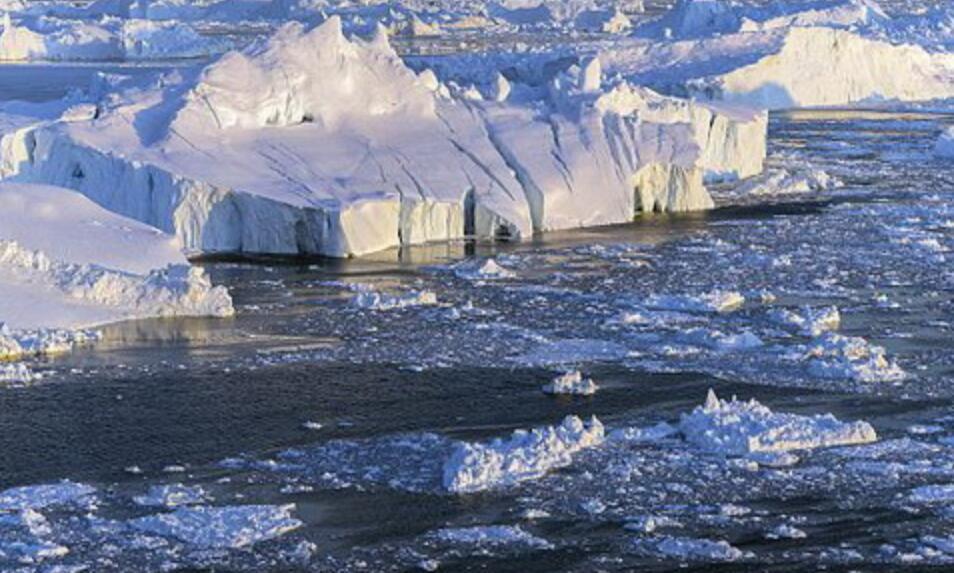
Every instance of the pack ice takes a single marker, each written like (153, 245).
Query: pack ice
(308, 142)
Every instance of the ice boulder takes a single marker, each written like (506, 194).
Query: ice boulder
(310, 143)
(741, 428)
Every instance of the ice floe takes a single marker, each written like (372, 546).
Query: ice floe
(714, 301)
(172, 495)
(492, 536)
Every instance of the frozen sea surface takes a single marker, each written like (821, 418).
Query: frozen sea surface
(313, 431)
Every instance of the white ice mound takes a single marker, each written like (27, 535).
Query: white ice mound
(221, 527)
(310, 143)
(850, 357)
(740, 428)
(787, 67)
(67, 263)
(524, 456)
(572, 383)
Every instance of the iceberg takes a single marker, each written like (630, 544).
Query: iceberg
(310, 143)
(741, 428)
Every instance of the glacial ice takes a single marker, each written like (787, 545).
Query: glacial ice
(739, 428)
(526, 455)
(310, 159)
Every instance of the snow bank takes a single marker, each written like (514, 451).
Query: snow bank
(312, 143)
(526, 455)
(56, 272)
(221, 527)
(740, 428)
(571, 383)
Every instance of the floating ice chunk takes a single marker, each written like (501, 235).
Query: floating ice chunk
(488, 270)
(371, 299)
(526, 455)
(931, 494)
(786, 182)
(697, 549)
(221, 527)
(853, 358)
(786, 531)
(571, 383)
(739, 428)
(172, 495)
(810, 321)
(714, 301)
(45, 495)
(491, 535)
(312, 425)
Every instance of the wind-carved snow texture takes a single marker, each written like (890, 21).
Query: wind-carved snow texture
(357, 153)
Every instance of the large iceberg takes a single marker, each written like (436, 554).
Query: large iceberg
(310, 143)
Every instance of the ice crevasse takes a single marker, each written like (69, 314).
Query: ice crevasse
(310, 143)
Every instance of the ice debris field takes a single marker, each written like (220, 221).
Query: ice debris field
(541, 216)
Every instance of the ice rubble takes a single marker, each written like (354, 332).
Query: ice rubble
(56, 274)
(740, 428)
(526, 455)
(308, 142)
(571, 383)
(221, 527)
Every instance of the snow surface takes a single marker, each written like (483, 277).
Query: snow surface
(526, 455)
(739, 428)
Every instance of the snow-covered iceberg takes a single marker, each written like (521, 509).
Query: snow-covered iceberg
(311, 143)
